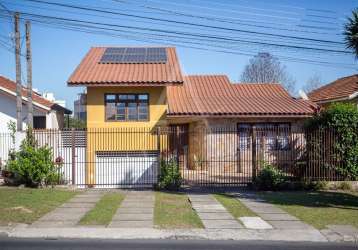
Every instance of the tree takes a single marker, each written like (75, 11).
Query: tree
(75, 123)
(265, 68)
(314, 82)
(351, 32)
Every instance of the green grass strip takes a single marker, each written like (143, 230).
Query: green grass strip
(104, 210)
(318, 209)
(26, 205)
(234, 206)
(174, 210)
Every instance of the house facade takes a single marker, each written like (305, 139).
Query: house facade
(143, 89)
(344, 89)
(47, 114)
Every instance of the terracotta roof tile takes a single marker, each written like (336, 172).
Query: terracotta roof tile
(342, 88)
(91, 72)
(214, 95)
(11, 86)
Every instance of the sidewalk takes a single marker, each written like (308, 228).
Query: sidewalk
(182, 234)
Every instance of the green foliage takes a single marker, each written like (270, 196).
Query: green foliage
(170, 177)
(32, 165)
(351, 32)
(269, 178)
(343, 119)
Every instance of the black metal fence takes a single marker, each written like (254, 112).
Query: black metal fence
(217, 156)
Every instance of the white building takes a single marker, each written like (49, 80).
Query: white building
(47, 114)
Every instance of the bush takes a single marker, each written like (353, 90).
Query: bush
(170, 177)
(343, 119)
(269, 178)
(33, 166)
(314, 185)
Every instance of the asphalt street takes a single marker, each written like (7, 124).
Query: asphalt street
(57, 244)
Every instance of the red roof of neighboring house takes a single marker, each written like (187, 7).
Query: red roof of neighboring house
(214, 95)
(11, 86)
(342, 88)
(92, 72)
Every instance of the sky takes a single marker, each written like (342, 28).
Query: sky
(57, 52)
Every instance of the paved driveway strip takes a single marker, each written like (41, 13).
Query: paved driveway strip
(272, 214)
(135, 211)
(71, 212)
(212, 213)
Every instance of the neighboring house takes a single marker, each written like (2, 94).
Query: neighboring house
(79, 107)
(145, 87)
(47, 115)
(344, 89)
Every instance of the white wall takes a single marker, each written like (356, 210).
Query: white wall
(8, 112)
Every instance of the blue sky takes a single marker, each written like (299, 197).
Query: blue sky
(57, 52)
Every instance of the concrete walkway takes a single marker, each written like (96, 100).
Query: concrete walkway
(212, 213)
(135, 211)
(71, 212)
(275, 216)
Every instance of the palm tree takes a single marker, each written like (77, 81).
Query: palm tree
(351, 32)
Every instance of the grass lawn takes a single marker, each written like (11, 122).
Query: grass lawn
(318, 208)
(104, 210)
(27, 205)
(175, 211)
(234, 206)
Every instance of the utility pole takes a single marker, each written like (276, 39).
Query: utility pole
(18, 74)
(30, 108)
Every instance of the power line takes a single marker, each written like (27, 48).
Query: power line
(224, 20)
(184, 23)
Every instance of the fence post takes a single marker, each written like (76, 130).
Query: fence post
(253, 151)
(73, 156)
(158, 148)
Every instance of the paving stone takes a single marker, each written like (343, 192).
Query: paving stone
(131, 224)
(126, 210)
(85, 200)
(289, 225)
(284, 217)
(255, 223)
(331, 235)
(68, 214)
(135, 211)
(222, 224)
(133, 217)
(216, 216)
(267, 210)
(77, 205)
(344, 230)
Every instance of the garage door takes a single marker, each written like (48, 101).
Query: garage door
(126, 169)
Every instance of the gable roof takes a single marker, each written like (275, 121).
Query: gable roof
(340, 89)
(214, 95)
(9, 87)
(91, 72)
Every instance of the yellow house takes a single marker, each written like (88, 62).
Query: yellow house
(132, 92)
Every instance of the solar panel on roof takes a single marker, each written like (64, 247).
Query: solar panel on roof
(134, 55)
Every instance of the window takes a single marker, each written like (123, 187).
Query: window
(274, 136)
(127, 107)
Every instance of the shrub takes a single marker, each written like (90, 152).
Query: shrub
(343, 119)
(170, 177)
(269, 178)
(314, 185)
(344, 186)
(33, 166)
